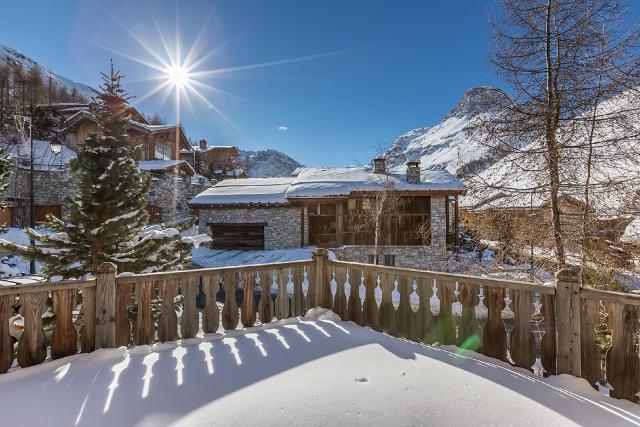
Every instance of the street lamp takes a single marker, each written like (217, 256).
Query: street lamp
(55, 145)
(56, 148)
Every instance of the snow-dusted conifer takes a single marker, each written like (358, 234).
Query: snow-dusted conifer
(107, 220)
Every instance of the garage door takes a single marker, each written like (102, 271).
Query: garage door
(237, 236)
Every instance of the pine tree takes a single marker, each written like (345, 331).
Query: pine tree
(107, 217)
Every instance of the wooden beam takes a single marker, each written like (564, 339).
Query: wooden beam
(339, 224)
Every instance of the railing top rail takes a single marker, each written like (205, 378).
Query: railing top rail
(185, 274)
(610, 296)
(30, 288)
(473, 280)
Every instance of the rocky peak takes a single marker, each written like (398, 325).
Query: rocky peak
(478, 100)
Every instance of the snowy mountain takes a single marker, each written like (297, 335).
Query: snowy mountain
(448, 145)
(267, 163)
(12, 56)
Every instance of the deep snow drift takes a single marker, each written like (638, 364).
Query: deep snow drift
(297, 372)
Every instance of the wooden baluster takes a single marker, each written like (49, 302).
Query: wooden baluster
(64, 340)
(6, 343)
(589, 354)
(248, 308)
(445, 323)
(298, 305)
(32, 346)
(123, 326)
(538, 330)
(623, 364)
(549, 338)
(481, 313)
(143, 333)
(168, 321)
(88, 328)
(340, 300)
(189, 322)
(387, 313)
(354, 309)
(523, 345)
(282, 297)
(423, 318)
(265, 306)
(370, 305)
(468, 329)
(405, 313)
(494, 339)
(311, 284)
(210, 312)
(230, 315)
(328, 295)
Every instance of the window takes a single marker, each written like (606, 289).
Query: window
(162, 151)
(388, 260)
(155, 214)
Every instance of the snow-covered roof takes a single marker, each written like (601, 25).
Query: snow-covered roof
(319, 182)
(269, 191)
(162, 165)
(45, 159)
(153, 128)
(336, 182)
(213, 147)
(632, 232)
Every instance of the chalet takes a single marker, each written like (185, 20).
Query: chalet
(174, 181)
(332, 207)
(215, 162)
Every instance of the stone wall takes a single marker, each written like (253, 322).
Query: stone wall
(281, 232)
(169, 191)
(172, 192)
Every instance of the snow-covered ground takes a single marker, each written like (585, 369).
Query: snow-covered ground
(11, 265)
(297, 372)
(211, 258)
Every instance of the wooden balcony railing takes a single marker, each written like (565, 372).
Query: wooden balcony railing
(547, 329)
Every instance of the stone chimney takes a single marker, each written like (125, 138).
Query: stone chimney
(379, 165)
(413, 172)
(203, 144)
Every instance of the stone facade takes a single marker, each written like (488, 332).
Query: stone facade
(282, 230)
(169, 191)
(432, 257)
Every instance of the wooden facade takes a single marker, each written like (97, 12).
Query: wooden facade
(349, 221)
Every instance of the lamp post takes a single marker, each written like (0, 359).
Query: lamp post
(56, 148)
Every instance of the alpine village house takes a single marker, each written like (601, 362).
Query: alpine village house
(174, 180)
(416, 213)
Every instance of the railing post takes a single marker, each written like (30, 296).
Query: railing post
(106, 305)
(568, 321)
(320, 255)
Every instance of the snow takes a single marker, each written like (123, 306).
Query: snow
(45, 159)
(319, 182)
(245, 191)
(328, 182)
(161, 165)
(319, 313)
(632, 232)
(211, 258)
(322, 372)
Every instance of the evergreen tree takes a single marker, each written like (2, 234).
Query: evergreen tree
(107, 217)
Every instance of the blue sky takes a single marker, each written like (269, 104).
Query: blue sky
(377, 69)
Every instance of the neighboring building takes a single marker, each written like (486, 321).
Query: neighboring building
(331, 207)
(174, 181)
(215, 162)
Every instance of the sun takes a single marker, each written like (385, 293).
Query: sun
(178, 76)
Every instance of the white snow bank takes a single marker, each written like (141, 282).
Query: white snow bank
(211, 258)
(319, 313)
(318, 371)
(632, 232)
